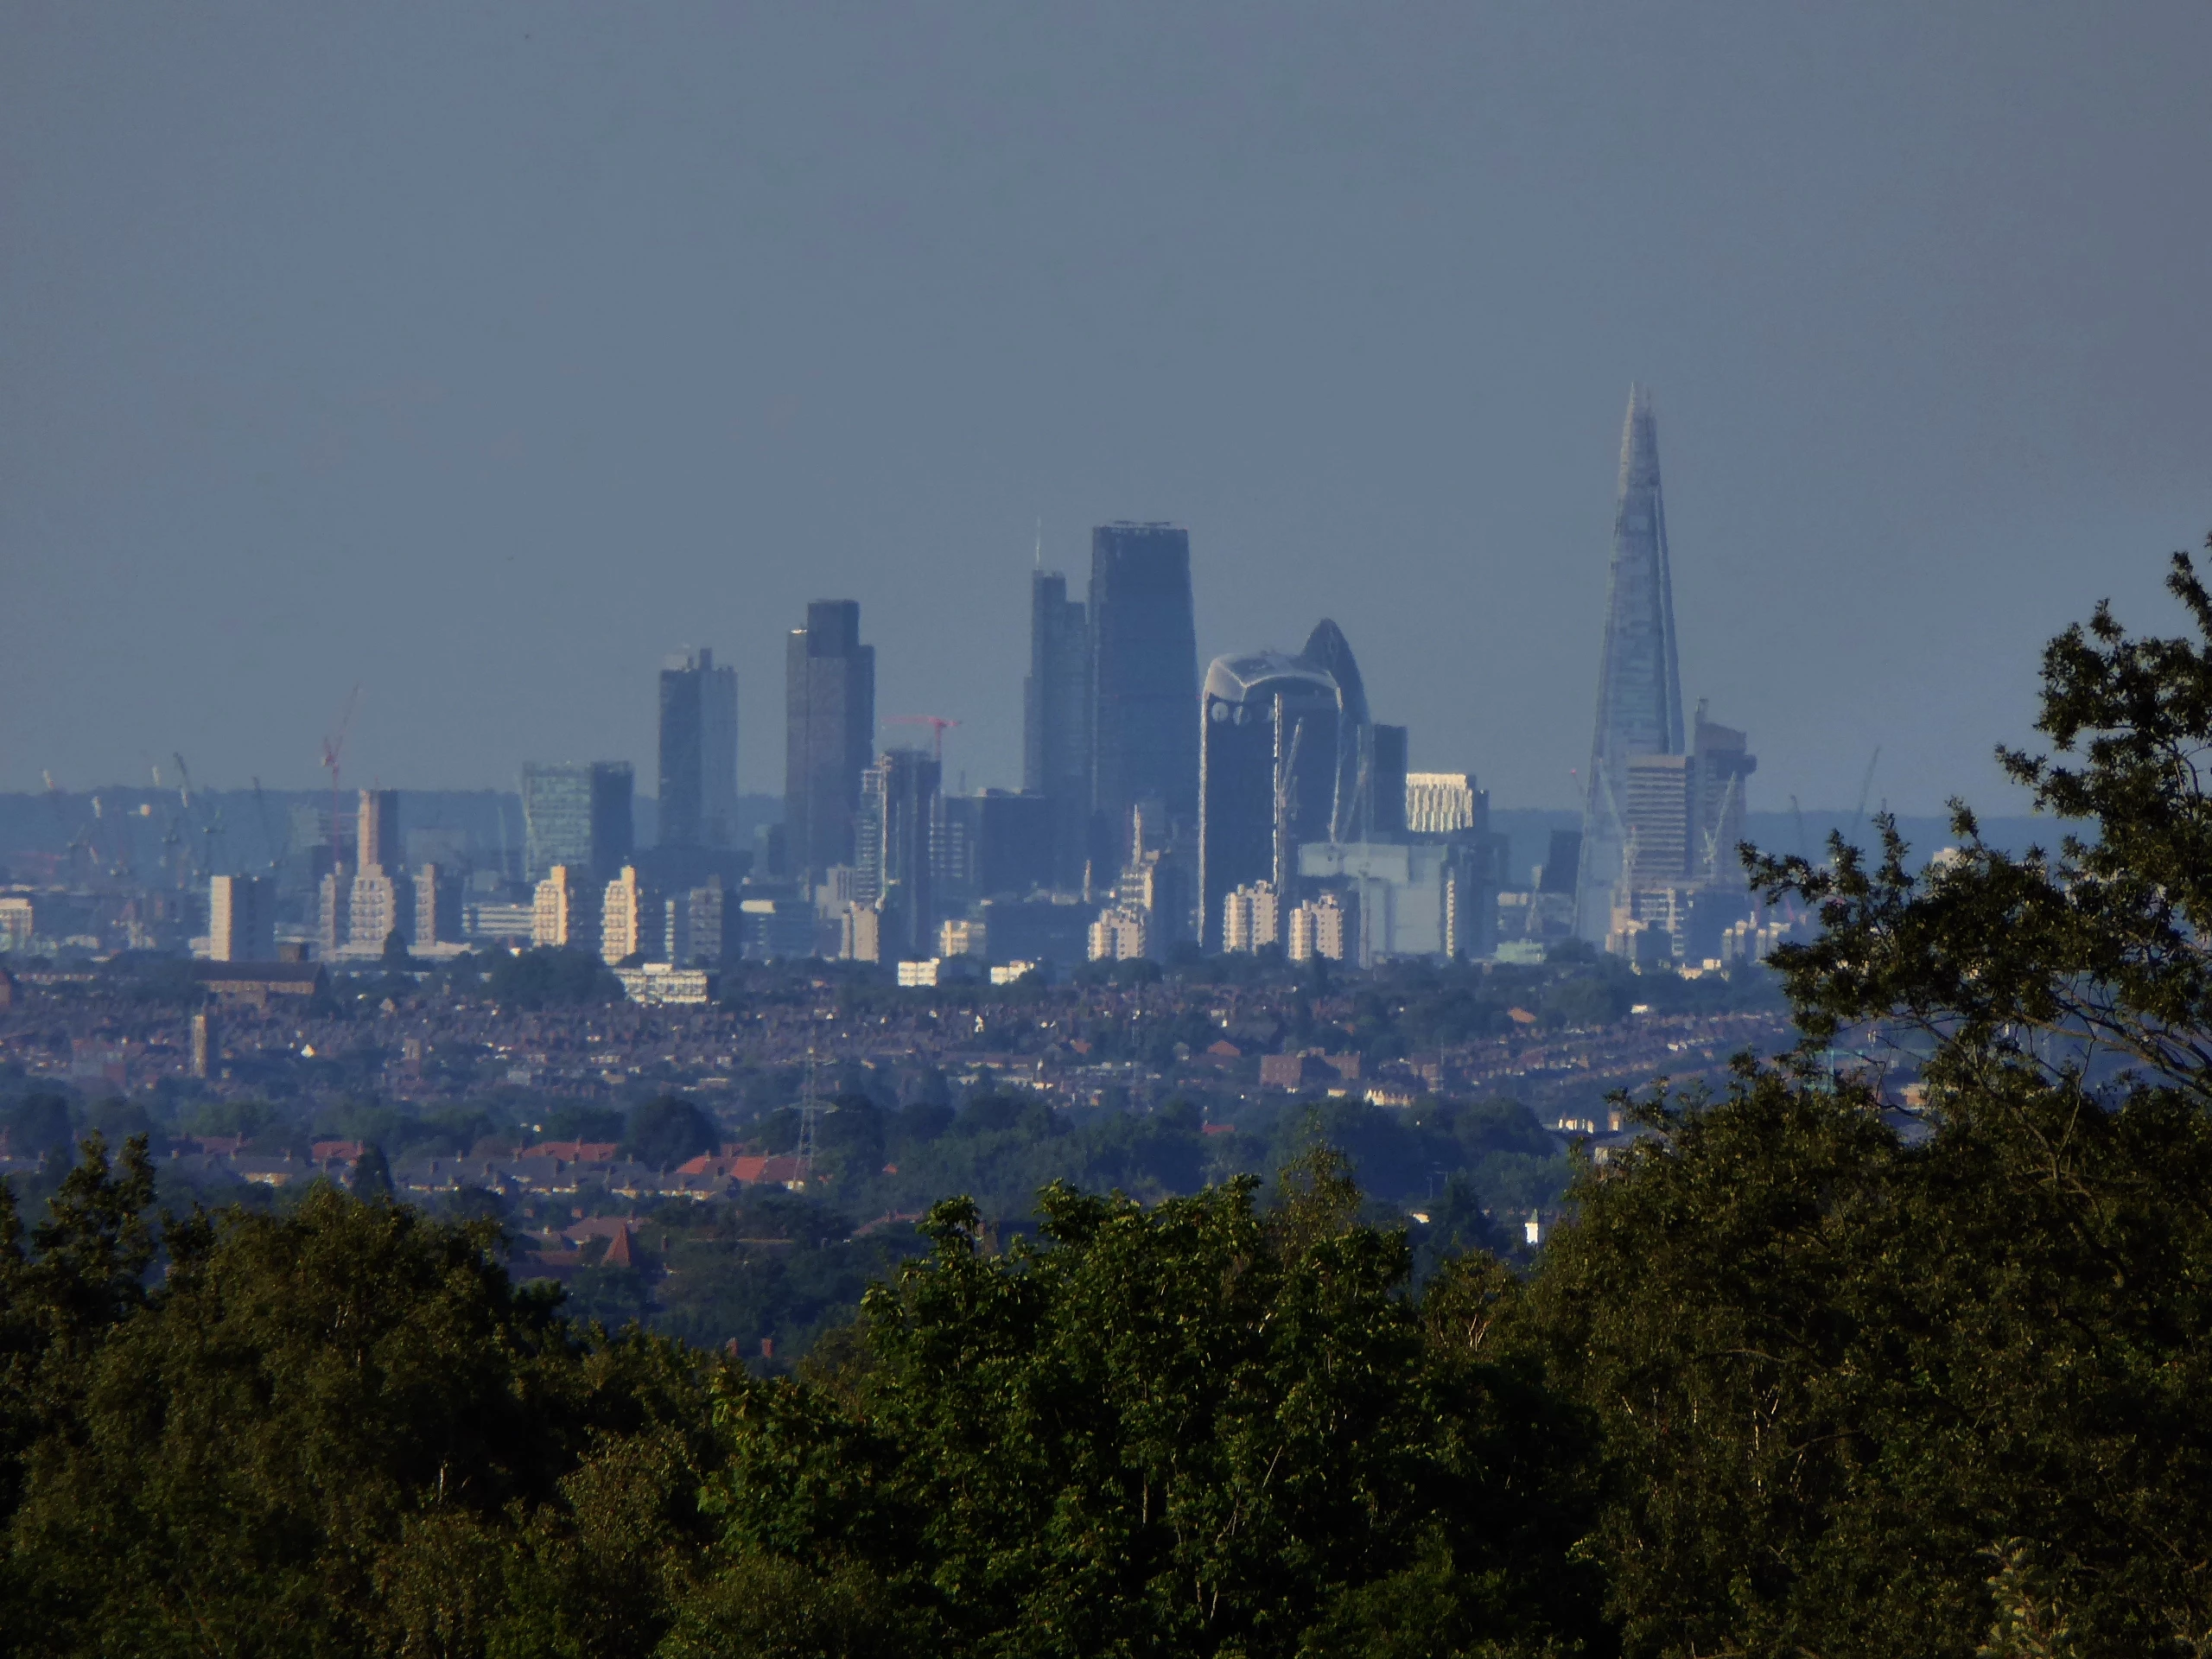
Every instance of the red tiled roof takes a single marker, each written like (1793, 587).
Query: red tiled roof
(708, 1164)
(597, 1227)
(575, 1152)
(749, 1170)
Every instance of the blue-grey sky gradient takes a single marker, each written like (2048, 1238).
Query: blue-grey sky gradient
(481, 354)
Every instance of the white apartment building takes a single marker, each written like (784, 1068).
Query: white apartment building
(1251, 916)
(241, 919)
(566, 913)
(630, 920)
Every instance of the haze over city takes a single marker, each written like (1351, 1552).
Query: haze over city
(482, 357)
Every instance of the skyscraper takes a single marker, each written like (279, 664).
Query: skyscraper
(893, 866)
(631, 919)
(1724, 762)
(1144, 680)
(1658, 806)
(1287, 760)
(579, 815)
(377, 841)
(437, 906)
(1056, 722)
(565, 910)
(241, 919)
(698, 751)
(830, 730)
(381, 901)
(1352, 808)
(1386, 792)
(381, 907)
(1639, 680)
(1441, 803)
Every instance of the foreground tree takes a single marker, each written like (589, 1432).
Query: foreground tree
(1195, 1429)
(338, 1430)
(1861, 1397)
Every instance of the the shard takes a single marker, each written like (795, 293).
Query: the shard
(1639, 683)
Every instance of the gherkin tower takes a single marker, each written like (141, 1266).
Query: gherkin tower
(1639, 683)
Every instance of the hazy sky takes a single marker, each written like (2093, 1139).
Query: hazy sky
(480, 355)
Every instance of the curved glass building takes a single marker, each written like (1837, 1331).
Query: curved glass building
(1285, 759)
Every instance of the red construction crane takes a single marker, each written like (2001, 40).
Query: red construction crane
(937, 723)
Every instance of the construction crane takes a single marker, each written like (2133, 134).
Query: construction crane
(73, 842)
(123, 867)
(1865, 788)
(937, 725)
(1285, 850)
(333, 749)
(211, 824)
(173, 855)
(1713, 847)
(268, 835)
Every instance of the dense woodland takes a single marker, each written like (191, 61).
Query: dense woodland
(1787, 1385)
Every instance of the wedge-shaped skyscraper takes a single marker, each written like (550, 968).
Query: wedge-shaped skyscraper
(1639, 681)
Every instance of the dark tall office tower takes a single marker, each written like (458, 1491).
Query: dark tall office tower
(614, 816)
(577, 816)
(1056, 723)
(993, 845)
(1562, 862)
(829, 729)
(698, 752)
(1274, 734)
(1639, 683)
(1388, 803)
(1144, 681)
(892, 868)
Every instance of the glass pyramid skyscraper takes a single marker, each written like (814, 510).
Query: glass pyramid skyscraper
(1639, 681)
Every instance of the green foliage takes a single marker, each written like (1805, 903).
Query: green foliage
(667, 1131)
(250, 1118)
(1840, 1376)
(337, 1430)
(550, 978)
(371, 1174)
(1191, 1429)
(1584, 1000)
(571, 1121)
(38, 1124)
(778, 1267)
(83, 1276)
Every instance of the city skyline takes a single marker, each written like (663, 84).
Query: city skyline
(590, 341)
